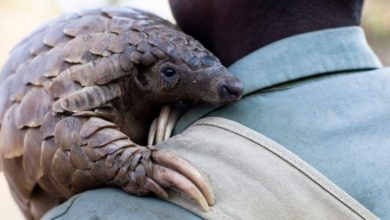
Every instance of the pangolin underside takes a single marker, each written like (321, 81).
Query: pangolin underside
(77, 92)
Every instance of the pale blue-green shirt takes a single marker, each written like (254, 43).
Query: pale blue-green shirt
(323, 95)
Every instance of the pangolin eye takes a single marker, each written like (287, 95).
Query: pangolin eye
(168, 71)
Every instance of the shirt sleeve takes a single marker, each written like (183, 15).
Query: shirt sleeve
(109, 203)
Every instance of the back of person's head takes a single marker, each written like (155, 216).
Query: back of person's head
(254, 23)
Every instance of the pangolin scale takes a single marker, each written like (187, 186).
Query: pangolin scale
(79, 91)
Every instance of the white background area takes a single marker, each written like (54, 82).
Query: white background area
(41, 10)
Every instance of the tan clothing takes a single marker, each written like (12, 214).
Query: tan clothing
(256, 178)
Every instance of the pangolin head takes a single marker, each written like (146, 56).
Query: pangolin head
(184, 70)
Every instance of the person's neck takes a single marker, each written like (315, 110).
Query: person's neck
(233, 34)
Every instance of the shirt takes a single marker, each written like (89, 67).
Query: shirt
(325, 96)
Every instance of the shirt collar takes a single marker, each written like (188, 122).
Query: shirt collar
(297, 57)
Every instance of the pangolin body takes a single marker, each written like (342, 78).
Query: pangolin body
(77, 92)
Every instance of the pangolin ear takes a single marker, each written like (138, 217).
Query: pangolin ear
(142, 80)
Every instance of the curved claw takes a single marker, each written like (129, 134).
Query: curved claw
(154, 187)
(152, 132)
(171, 124)
(152, 170)
(162, 123)
(169, 178)
(170, 160)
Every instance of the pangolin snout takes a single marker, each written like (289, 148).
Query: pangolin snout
(230, 90)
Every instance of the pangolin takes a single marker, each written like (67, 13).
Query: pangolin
(80, 92)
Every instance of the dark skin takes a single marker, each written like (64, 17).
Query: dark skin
(232, 29)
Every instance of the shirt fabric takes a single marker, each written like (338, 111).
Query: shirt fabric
(324, 96)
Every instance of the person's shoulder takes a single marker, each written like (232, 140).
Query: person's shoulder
(373, 79)
(113, 203)
(385, 69)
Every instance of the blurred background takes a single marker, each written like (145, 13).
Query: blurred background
(376, 22)
(20, 17)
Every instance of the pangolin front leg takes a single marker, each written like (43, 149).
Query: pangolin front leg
(93, 153)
